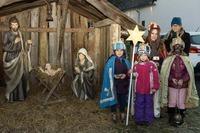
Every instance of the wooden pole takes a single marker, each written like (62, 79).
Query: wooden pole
(115, 35)
(34, 37)
(22, 5)
(67, 50)
(53, 47)
(64, 9)
(97, 54)
(40, 29)
(2, 82)
(43, 41)
(131, 86)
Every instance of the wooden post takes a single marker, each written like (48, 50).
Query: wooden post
(53, 47)
(64, 9)
(115, 34)
(78, 40)
(67, 50)
(34, 37)
(97, 55)
(43, 47)
(2, 82)
(25, 20)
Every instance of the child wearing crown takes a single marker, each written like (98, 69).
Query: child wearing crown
(147, 83)
(116, 82)
(177, 83)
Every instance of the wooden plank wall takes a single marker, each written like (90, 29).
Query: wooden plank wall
(45, 48)
(98, 42)
(79, 39)
(53, 41)
(43, 38)
(1, 57)
(35, 37)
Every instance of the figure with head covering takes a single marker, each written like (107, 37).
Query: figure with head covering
(146, 85)
(16, 61)
(177, 83)
(83, 84)
(116, 82)
(177, 30)
(157, 55)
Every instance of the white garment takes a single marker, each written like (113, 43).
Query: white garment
(157, 104)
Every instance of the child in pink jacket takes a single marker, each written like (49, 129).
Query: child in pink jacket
(147, 83)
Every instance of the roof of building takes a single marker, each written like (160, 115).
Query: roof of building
(125, 5)
(96, 10)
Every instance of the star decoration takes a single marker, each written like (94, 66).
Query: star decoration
(135, 35)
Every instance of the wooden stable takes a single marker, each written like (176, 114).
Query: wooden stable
(92, 24)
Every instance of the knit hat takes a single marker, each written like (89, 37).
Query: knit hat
(176, 20)
(119, 46)
(144, 49)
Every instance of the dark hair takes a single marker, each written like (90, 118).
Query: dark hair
(158, 42)
(13, 20)
(124, 53)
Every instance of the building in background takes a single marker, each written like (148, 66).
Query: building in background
(162, 11)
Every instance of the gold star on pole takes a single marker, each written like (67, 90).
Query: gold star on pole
(135, 35)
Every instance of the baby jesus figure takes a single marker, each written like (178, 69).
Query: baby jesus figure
(48, 70)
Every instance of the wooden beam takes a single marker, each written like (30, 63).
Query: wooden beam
(63, 20)
(87, 8)
(114, 13)
(33, 29)
(53, 47)
(83, 8)
(83, 12)
(67, 51)
(97, 55)
(21, 6)
(115, 34)
(7, 2)
(34, 37)
(43, 39)
(103, 23)
(2, 82)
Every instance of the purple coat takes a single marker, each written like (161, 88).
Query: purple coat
(178, 71)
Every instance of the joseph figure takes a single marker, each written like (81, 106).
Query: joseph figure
(16, 62)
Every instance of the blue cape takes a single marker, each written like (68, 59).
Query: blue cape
(108, 92)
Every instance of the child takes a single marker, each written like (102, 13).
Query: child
(147, 83)
(157, 55)
(116, 82)
(178, 85)
(178, 30)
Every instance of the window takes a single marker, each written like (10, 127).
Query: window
(195, 39)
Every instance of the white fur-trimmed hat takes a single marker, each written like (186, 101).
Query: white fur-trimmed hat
(178, 40)
(119, 45)
(144, 49)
